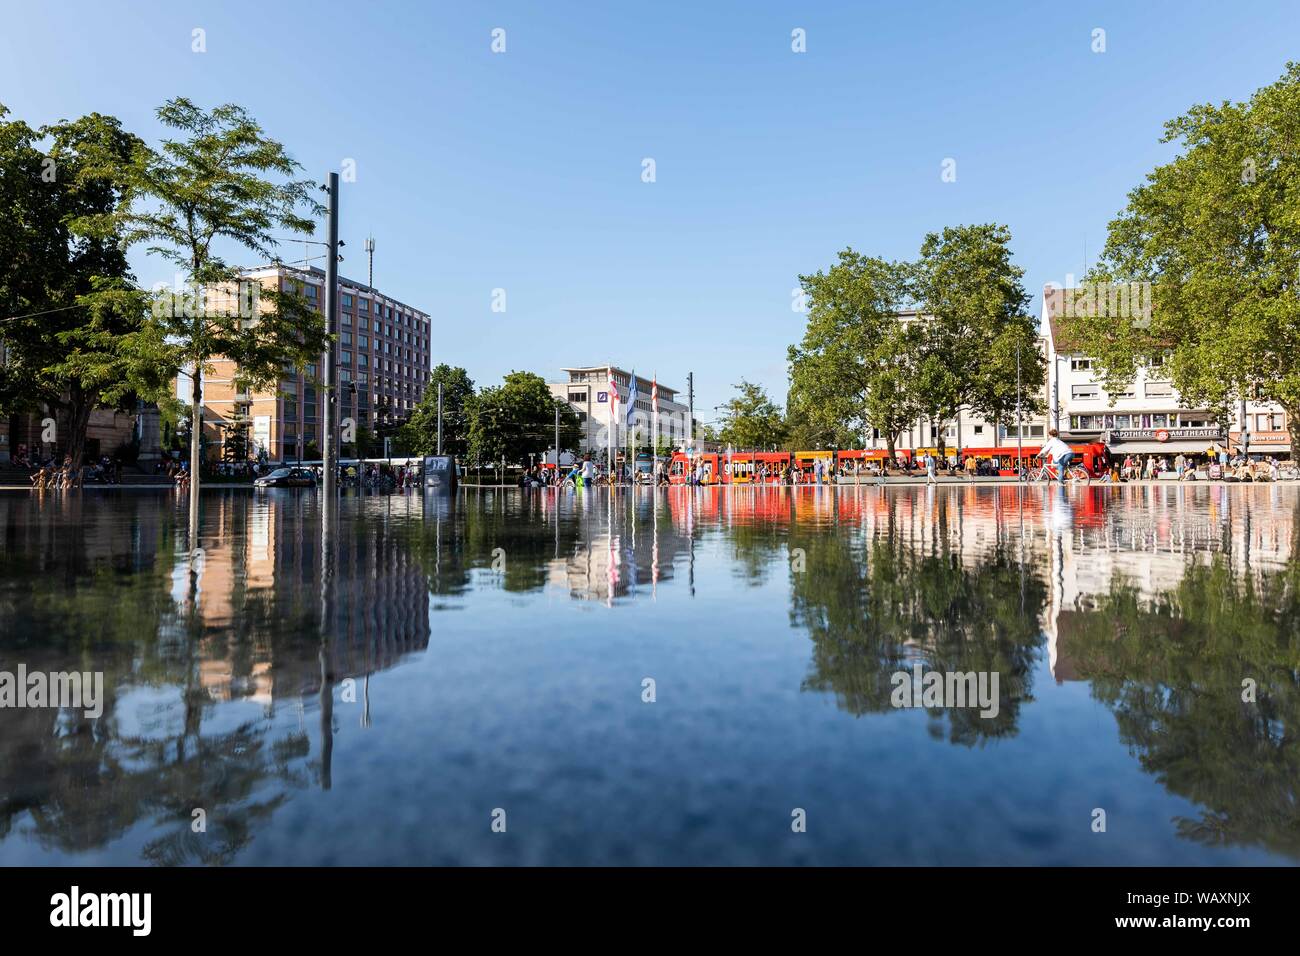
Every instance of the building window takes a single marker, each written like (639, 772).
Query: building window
(1129, 392)
(1085, 392)
(311, 291)
(345, 338)
(1080, 364)
(347, 301)
(1158, 389)
(345, 358)
(363, 305)
(578, 398)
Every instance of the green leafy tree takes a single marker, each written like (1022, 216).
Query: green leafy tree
(222, 181)
(516, 419)
(421, 431)
(970, 289)
(751, 419)
(704, 431)
(66, 349)
(365, 444)
(237, 446)
(1215, 233)
(851, 372)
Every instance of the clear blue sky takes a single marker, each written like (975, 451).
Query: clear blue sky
(522, 170)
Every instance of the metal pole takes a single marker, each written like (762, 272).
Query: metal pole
(1056, 392)
(440, 418)
(1245, 431)
(1019, 428)
(690, 413)
(329, 450)
(557, 441)
(654, 436)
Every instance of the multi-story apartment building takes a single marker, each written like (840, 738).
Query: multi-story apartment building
(383, 364)
(587, 391)
(1147, 416)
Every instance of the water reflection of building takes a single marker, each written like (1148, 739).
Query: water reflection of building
(626, 543)
(266, 617)
(1145, 537)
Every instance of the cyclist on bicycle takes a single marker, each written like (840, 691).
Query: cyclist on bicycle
(1058, 453)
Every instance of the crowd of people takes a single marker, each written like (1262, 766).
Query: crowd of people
(1214, 465)
(48, 472)
(378, 475)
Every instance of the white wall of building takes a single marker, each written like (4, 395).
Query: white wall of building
(1147, 417)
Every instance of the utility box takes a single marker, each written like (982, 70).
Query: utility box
(440, 472)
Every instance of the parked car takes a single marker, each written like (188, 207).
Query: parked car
(287, 478)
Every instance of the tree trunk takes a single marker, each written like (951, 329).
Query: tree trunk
(79, 409)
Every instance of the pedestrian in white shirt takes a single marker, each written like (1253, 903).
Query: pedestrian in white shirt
(1057, 452)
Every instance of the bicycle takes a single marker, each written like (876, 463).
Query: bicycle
(1076, 474)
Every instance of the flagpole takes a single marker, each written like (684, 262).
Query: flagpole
(654, 430)
(613, 424)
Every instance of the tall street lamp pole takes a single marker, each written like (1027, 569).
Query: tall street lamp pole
(329, 452)
(1019, 428)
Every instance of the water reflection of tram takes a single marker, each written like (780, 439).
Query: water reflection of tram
(748, 467)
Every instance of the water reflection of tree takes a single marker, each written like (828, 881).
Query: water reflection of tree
(1171, 667)
(871, 616)
(458, 537)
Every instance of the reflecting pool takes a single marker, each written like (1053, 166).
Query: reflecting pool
(655, 677)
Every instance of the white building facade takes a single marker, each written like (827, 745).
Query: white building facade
(587, 390)
(1148, 416)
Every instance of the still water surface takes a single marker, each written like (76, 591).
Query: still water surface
(446, 658)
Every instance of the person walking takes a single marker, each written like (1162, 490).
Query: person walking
(930, 465)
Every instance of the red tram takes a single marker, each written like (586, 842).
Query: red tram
(768, 467)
